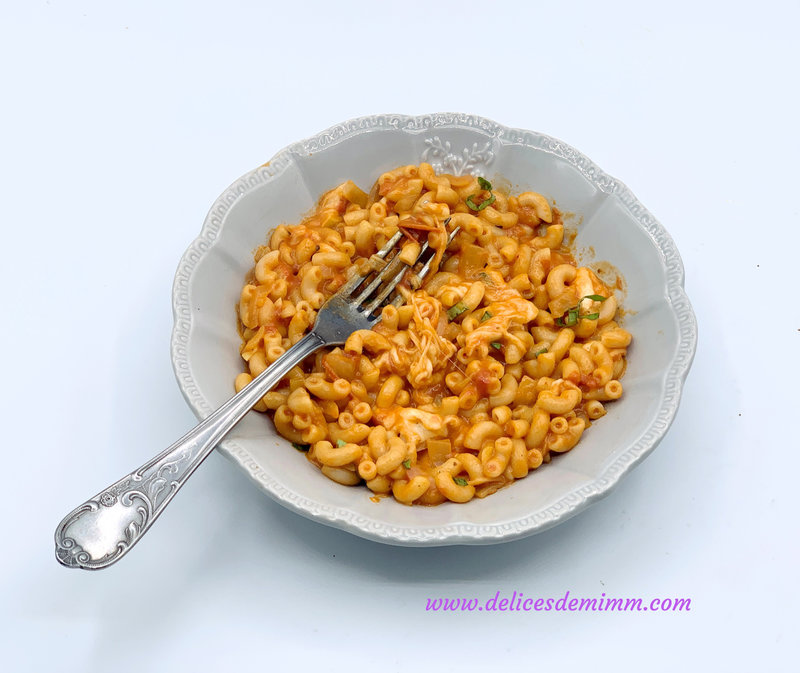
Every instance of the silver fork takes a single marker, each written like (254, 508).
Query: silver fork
(103, 529)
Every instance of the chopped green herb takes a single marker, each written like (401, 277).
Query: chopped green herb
(486, 278)
(479, 206)
(341, 442)
(574, 314)
(570, 320)
(461, 481)
(407, 463)
(301, 447)
(540, 352)
(483, 183)
(454, 311)
(486, 316)
(497, 345)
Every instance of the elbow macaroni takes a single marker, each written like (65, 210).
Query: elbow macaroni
(505, 356)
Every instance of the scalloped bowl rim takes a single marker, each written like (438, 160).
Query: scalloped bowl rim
(458, 533)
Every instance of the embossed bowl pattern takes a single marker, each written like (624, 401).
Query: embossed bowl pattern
(609, 220)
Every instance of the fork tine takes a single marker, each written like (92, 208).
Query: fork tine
(386, 249)
(426, 269)
(427, 245)
(394, 271)
(390, 286)
(353, 284)
(386, 272)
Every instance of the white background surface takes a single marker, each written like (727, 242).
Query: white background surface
(120, 126)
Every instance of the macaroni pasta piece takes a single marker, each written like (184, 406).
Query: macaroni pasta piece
(503, 357)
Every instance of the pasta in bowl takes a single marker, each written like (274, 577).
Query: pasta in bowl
(501, 359)
(608, 223)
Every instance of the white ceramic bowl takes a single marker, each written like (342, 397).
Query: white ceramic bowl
(205, 343)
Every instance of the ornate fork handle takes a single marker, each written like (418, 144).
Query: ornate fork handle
(102, 530)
